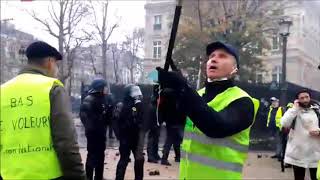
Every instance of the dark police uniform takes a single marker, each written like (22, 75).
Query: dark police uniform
(131, 135)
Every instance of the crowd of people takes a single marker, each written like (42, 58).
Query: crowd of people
(295, 130)
(208, 129)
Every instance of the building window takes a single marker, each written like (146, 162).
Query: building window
(157, 49)
(275, 42)
(277, 74)
(157, 22)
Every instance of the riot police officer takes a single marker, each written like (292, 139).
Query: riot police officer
(131, 135)
(94, 116)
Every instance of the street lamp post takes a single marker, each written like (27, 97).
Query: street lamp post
(284, 32)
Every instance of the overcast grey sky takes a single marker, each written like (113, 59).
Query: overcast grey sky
(132, 15)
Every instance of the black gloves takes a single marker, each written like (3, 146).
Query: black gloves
(173, 86)
(172, 79)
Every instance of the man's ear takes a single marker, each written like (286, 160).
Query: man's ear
(50, 64)
(46, 63)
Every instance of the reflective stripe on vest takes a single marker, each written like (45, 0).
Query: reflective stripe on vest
(215, 158)
(212, 162)
(26, 144)
(226, 142)
(278, 117)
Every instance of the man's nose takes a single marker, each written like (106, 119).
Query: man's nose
(213, 60)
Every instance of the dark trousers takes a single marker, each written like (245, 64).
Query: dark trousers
(153, 143)
(174, 138)
(299, 173)
(276, 133)
(96, 145)
(132, 142)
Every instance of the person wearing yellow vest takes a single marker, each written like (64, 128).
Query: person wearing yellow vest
(274, 126)
(37, 133)
(216, 137)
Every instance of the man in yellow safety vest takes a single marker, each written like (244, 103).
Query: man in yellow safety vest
(37, 133)
(216, 137)
(274, 126)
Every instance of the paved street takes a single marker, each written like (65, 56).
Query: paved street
(256, 168)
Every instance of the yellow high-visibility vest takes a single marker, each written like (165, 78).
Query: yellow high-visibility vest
(215, 158)
(278, 117)
(26, 144)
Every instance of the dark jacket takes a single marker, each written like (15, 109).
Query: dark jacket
(131, 118)
(150, 115)
(234, 118)
(170, 109)
(115, 118)
(94, 114)
(64, 137)
(110, 102)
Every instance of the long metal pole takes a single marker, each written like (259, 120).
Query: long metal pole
(175, 24)
(199, 73)
(284, 87)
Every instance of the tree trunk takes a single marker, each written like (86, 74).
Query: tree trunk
(70, 80)
(115, 68)
(70, 85)
(104, 60)
(61, 52)
(131, 74)
(61, 38)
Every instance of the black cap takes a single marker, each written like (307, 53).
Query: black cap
(40, 49)
(227, 47)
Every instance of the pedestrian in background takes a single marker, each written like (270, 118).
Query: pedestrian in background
(274, 125)
(303, 146)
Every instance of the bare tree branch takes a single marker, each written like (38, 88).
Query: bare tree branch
(103, 30)
(111, 30)
(93, 61)
(131, 45)
(64, 6)
(45, 23)
(53, 14)
(53, 18)
(71, 12)
(92, 35)
(96, 24)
